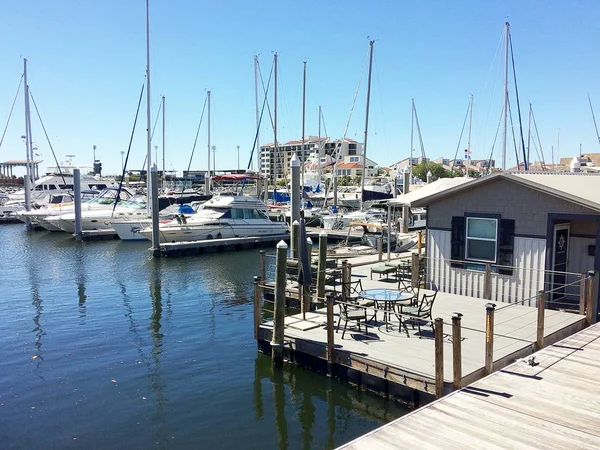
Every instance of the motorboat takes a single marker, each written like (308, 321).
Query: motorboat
(64, 218)
(221, 217)
(369, 238)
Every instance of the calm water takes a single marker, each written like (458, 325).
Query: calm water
(103, 346)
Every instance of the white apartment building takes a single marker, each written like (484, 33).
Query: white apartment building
(275, 163)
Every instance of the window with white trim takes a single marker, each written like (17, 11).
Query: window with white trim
(481, 239)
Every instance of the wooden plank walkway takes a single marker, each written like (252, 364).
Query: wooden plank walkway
(553, 404)
(408, 360)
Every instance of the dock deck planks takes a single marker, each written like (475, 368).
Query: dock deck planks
(554, 404)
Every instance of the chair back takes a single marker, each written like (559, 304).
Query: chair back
(351, 291)
(427, 302)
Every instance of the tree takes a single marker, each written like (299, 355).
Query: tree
(437, 171)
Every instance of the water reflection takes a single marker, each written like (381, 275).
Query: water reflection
(80, 280)
(38, 307)
(345, 408)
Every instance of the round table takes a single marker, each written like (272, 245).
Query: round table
(389, 298)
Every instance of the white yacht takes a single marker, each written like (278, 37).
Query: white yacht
(64, 218)
(221, 217)
(57, 180)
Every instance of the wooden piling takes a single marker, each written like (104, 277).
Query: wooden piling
(419, 242)
(330, 334)
(489, 338)
(345, 280)
(321, 267)
(541, 305)
(456, 351)
(591, 297)
(380, 247)
(415, 269)
(279, 309)
(263, 265)
(487, 282)
(439, 357)
(257, 311)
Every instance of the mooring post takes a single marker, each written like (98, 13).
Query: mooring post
(487, 282)
(294, 240)
(489, 337)
(279, 310)
(415, 270)
(419, 242)
(582, 293)
(263, 265)
(306, 288)
(345, 280)
(541, 304)
(322, 266)
(592, 297)
(380, 247)
(456, 351)
(77, 201)
(330, 334)
(438, 332)
(257, 312)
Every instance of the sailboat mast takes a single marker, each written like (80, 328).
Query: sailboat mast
(529, 133)
(505, 96)
(469, 139)
(27, 181)
(276, 146)
(302, 159)
(164, 143)
(593, 117)
(257, 115)
(207, 179)
(319, 155)
(412, 147)
(148, 118)
(362, 184)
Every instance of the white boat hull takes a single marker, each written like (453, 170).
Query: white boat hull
(216, 230)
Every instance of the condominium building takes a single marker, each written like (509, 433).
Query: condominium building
(275, 162)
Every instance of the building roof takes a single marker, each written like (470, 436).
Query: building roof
(441, 185)
(350, 165)
(580, 188)
(20, 162)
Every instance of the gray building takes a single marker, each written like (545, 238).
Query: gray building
(533, 231)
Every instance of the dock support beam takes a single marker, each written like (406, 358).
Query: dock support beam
(489, 338)
(439, 357)
(541, 304)
(456, 351)
(279, 310)
(322, 266)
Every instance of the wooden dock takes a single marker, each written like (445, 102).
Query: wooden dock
(552, 403)
(403, 366)
(219, 245)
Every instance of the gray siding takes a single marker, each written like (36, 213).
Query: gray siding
(529, 208)
(522, 286)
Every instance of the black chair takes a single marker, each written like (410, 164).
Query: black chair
(420, 313)
(351, 313)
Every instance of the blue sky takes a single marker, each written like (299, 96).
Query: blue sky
(87, 63)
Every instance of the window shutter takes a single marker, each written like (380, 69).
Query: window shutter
(506, 246)
(457, 241)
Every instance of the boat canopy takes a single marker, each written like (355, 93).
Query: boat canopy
(236, 177)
